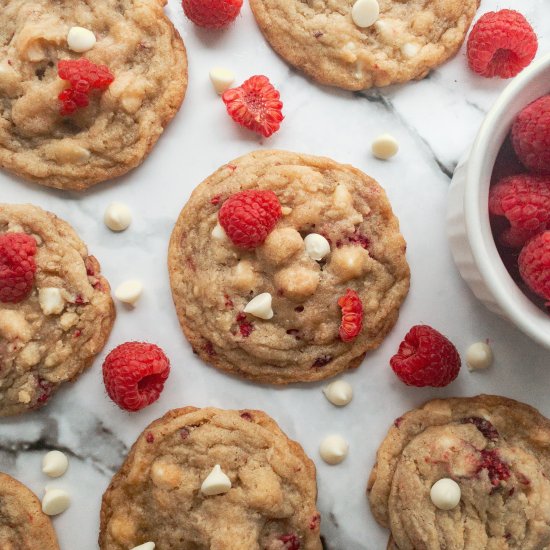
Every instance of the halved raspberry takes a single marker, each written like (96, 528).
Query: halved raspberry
(17, 266)
(501, 44)
(426, 358)
(352, 315)
(249, 216)
(534, 264)
(134, 374)
(212, 14)
(531, 135)
(255, 104)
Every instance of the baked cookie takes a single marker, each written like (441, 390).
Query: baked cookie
(496, 449)
(214, 281)
(406, 41)
(56, 310)
(142, 50)
(158, 495)
(23, 525)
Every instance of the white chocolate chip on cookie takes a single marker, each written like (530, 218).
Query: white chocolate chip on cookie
(260, 306)
(13, 325)
(410, 49)
(365, 12)
(217, 483)
(51, 300)
(222, 79)
(317, 247)
(145, 546)
(80, 39)
(219, 233)
(349, 262)
(297, 282)
(280, 245)
(445, 494)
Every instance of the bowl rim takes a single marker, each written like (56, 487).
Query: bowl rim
(516, 305)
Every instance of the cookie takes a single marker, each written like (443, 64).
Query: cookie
(496, 449)
(23, 525)
(406, 41)
(53, 334)
(157, 495)
(214, 280)
(141, 48)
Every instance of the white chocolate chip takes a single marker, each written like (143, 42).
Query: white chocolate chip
(410, 49)
(129, 292)
(260, 306)
(333, 449)
(55, 502)
(219, 233)
(80, 39)
(217, 483)
(445, 494)
(479, 356)
(222, 79)
(385, 146)
(118, 217)
(55, 464)
(317, 247)
(145, 546)
(339, 393)
(365, 13)
(51, 301)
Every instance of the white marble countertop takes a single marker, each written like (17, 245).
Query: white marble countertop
(434, 120)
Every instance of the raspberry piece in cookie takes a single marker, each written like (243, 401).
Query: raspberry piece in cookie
(534, 265)
(17, 266)
(531, 135)
(249, 216)
(501, 44)
(84, 75)
(426, 358)
(352, 315)
(255, 104)
(212, 14)
(134, 374)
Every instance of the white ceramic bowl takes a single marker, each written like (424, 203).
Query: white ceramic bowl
(468, 225)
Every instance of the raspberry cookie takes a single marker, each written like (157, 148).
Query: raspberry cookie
(498, 452)
(56, 310)
(209, 478)
(70, 125)
(23, 525)
(404, 42)
(286, 267)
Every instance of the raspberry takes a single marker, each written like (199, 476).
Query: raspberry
(17, 266)
(525, 202)
(484, 426)
(426, 358)
(255, 105)
(83, 76)
(134, 374)
(531, 135)
(534, 265)
(212, 14)
(497, 470)
(501, 44)
(290, 542)
(352, 315)
(249, 216)
(246, 328)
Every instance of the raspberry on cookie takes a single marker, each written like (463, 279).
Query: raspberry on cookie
(56, 310)
(287, 268)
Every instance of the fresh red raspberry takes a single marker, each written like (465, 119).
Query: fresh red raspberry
(501, 44)
(525, 202)
(248, 217)
(426, 358)
(134, 374)
(255, 104)
(534, 265)
(531, 135)
(17, 266)
(212, 14)
(352, 315)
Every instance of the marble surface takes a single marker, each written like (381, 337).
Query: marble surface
(434, 120)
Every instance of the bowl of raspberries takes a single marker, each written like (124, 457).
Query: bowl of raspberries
(499, 206)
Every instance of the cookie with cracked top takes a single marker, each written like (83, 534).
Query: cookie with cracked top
(141, 48)
(53, 333)
(496, 449)
(409, 38)
(156, 495)
(213, 280)
(23, 525)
